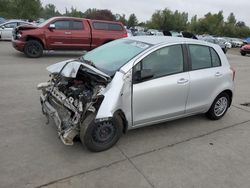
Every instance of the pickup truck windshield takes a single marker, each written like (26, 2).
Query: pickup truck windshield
(45, 22)
(112, 56)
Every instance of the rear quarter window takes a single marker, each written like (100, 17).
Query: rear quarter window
(107, 26)
(216, 62)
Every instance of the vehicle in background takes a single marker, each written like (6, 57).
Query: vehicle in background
(176, 34)
(135, 82)
(130, 34)
(236, 43)
(222, 40)
(6, 29)
(2, 20)
(215, 41)
(66, 33)
(246, 40)
(40, 20)
(245, 49)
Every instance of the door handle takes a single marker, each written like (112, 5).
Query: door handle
(182, 81)
(67, 33)
(217, 74)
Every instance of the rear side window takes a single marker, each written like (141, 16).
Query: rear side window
(215, 58)
(200, 57)
(62, 25)
(77, 25)
(107, 26)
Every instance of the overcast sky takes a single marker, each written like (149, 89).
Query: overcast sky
(143, 9)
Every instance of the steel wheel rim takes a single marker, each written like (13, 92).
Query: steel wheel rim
(104, 133)
(220, 106)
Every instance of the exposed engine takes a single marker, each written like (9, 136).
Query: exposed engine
(68, 100)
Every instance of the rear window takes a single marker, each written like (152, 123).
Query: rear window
(107, 26)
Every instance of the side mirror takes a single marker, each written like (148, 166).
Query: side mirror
(2, 27)
(143, 74)
(52, 26)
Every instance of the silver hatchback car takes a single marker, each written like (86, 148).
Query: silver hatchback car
(135, 82)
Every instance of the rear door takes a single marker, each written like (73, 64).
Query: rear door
(60, 37)
(80, 34)
(206, 76)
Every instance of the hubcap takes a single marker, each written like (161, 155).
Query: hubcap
(33, 49)
(220, 106)
(104, 132)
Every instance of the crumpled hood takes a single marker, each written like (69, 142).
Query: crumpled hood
(70, 68)
(26, 27)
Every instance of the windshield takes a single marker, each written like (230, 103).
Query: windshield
(45, 23)
(112, 56)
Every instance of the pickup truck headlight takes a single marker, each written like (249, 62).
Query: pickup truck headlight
(19, 35)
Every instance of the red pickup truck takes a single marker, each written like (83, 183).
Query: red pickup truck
(65, 33)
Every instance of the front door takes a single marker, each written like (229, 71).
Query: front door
(7, 30)
(164, 95)
(60, 37)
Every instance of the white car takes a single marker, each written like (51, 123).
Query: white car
(135, 82)
(6, 28)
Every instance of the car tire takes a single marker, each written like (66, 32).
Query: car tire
(33, 49)
(100, 136)
(243, 53)
(219, 107)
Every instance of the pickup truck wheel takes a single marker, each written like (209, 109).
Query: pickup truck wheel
(100, 136)
(33, 49)
(243, 53)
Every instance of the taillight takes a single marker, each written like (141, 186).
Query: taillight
(125, 35)
(233, 70)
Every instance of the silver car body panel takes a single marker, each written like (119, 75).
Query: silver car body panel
(117, 96)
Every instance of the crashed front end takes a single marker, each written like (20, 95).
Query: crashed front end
(74, 90)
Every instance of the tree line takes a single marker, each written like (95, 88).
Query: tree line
(213, 24)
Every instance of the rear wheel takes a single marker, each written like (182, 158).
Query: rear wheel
(219, 107)
(33, 49)
(102, 135)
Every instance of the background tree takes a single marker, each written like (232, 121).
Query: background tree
(168, 20)
(99, 14)
(74, 13)
(49, 11)
(132, 21)
(121, 18)
(25, 9)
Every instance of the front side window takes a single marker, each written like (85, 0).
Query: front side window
(200, 57)
(165, 61)
(62, 25)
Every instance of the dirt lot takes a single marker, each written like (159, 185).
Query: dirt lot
(191, 152)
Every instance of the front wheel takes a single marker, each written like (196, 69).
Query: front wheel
(243, 53)
(219, 107)
(100, 136)
(33, 49)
